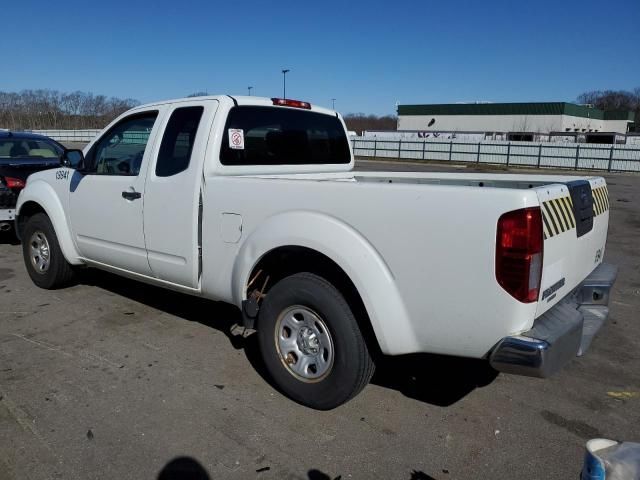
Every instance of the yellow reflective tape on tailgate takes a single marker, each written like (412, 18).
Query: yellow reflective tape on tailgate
(597, 202)
(557, 216)
(568, 211)
(600, 200)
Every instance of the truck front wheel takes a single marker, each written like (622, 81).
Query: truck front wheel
(311, 344)
(43, 257)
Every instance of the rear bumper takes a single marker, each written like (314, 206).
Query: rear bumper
(560, 334)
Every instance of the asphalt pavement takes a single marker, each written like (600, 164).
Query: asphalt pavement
(113, 379)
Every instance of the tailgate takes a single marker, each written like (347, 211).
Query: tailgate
(575, 221)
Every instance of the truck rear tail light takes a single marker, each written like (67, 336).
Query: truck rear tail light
(283, 102)
(519, 248)
(13, 182)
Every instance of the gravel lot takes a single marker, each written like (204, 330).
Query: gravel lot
(115, 379)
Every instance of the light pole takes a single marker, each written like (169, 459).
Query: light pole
(249, 88)
(333, 104)
(284, 83)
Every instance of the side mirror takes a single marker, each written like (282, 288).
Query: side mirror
(72, 159)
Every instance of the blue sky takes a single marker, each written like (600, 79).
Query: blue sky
(367, 55)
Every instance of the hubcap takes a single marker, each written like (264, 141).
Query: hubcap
(304, 344)
(39, 252)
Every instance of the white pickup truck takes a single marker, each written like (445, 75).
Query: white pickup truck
(255, 202)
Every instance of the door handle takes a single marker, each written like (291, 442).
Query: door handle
(131, 195)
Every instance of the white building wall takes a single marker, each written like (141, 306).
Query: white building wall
(581, 123)
(619, 126)
(508, 123)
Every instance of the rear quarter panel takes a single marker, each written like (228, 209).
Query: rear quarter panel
(437, 241)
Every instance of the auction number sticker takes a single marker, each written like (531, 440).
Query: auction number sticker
(236, 138)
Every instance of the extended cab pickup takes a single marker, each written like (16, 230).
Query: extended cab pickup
(255, 202)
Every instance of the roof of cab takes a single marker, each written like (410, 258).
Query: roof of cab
(240, 100)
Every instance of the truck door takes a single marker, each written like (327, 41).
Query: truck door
(106, 197)
(172, 193)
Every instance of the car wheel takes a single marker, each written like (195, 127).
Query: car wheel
(43, 258)
(311, 344)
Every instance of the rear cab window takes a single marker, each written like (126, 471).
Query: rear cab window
(178, 140)
(261, 135)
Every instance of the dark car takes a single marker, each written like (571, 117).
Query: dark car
(22, 154)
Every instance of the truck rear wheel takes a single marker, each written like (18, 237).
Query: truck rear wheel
(43, 257)
(311, 344)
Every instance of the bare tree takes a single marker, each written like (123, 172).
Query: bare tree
(360, 122)
(44, 109)
(612, 99)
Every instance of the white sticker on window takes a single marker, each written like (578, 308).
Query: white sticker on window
(236, 138)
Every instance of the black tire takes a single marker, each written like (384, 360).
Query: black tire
(58, 273)
(351, 366)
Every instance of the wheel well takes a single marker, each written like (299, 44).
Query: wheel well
(28, 210)
(289, 260)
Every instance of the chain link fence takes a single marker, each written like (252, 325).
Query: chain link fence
(75, 136)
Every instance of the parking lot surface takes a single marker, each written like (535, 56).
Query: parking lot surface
(115, 379)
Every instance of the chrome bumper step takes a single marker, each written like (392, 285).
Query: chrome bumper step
(562, 333)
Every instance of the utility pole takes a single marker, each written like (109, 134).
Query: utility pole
(333, 104)
(284, 82)
(249, 88)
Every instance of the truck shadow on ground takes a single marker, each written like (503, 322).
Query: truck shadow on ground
(434, 379)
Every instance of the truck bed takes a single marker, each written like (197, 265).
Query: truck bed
(436, 233)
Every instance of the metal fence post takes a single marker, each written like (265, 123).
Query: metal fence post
(450, 149)
(539, 154)
(399, 147)
(375, 148)
(610, 157)
(577, 156)
(424, 145)
(478, 159)
(508, 152)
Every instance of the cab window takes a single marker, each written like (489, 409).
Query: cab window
(120, 151)
(178, 140)
(283, 136)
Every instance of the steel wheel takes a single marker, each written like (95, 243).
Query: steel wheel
(304, 344)
(40, 253)
(43, 258)
(310, 342)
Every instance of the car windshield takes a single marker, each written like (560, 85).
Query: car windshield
(28, 148)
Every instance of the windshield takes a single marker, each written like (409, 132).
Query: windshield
(283, 136)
